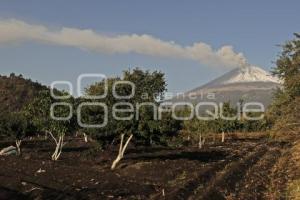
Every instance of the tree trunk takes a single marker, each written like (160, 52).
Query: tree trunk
(46, 136)
(11, 150)
(223, 137)
(121, 151)
(200, 141)
(18, 144)
(85, 137)
(59, 146)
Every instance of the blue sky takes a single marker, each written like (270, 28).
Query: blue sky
(253, 28)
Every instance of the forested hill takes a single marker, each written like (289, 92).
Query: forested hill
(16, 91)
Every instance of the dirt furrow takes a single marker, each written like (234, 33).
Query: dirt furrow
(257, 179)
(191, 188)
(224, 183)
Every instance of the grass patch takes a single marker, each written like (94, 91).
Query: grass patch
(293, 190)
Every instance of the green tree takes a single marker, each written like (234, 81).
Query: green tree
(141, 122)
(14, 125)
(38, 112)
(285, 108)
(196, 128)
(227, 120)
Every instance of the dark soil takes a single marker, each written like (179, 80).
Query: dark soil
(236, 169)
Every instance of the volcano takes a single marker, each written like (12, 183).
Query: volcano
(250, 84)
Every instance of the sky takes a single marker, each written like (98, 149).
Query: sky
(192, 42)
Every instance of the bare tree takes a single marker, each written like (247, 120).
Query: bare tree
(18, 144)
(201, 141)
(59, 145)
(85, 137)
(223, 137)
(121, 151)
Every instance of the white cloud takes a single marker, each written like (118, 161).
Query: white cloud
(12, 30)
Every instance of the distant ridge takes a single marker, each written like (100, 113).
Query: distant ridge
(16, 91)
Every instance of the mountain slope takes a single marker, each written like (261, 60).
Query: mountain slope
(248, 83)
(248, 74)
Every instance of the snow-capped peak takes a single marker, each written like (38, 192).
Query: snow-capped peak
(244, 75)
(250, 74)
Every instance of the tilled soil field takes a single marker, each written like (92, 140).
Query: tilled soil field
(237, 169)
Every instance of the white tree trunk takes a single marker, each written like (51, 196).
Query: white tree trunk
(59, 146)
(85, 137)
(121, 151)
(18, 144)
(223, 137)
(200, 141)
(203, 140)
(46, 136)
(11, 150)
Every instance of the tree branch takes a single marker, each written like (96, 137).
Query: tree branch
(52, 137)
(126, 144)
